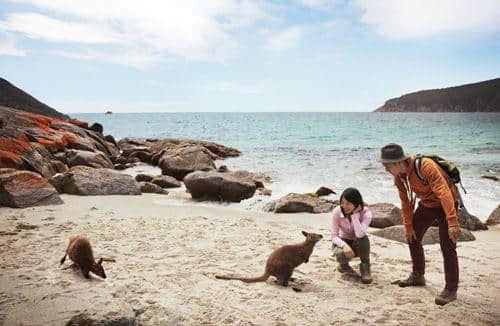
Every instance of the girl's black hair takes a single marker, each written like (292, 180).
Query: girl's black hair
(353, 196)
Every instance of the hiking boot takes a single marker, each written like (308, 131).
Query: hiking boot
(345, 268)
(446, 296)
(366, 275)
(415, 279)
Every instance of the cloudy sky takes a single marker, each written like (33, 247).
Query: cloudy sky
(239, 55)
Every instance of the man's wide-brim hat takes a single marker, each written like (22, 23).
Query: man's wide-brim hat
(392, 153)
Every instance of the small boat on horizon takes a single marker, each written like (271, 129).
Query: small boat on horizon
(109, 112)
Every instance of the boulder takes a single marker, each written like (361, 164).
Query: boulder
(265, 191)
(478, 225)
(127, 142)
(397, 233)
(142, 156)
(144, 177)
(385, 215)
(26, 189)
(93, 159)
(494, 217)
(86, 181)
(97, 127)
(183, 160)
(110, 139)
(148, 187)
(324, 191)
(295, 203)
(216, 151)
(166, 181)
(129, 150)
(228, 186)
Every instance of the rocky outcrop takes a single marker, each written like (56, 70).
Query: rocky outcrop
(93, 159)
(397, 233)
(230, 186)
(494, 217)
(86, 181)
(385, 215)
(16, 98)
(26, 189)
(295, 203)
(184, 159)
(478, 97)
(34, 142)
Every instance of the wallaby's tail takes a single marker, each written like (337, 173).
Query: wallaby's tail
(244, 279)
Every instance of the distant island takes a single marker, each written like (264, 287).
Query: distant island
(478, 97)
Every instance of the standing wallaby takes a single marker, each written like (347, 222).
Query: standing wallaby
(80, 252)
(283, 261)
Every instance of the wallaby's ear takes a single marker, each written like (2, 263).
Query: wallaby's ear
(305, 233)
(100, 261)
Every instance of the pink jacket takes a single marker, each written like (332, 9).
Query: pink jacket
(342, 228)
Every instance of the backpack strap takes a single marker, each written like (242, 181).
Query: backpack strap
(416, 166)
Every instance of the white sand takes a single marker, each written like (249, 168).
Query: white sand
(168, 252)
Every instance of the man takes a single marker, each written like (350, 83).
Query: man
(437, 201)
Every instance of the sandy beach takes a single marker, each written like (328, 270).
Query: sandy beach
(168, 249)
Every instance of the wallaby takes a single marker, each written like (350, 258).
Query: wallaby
(80, 252)
(283, 261)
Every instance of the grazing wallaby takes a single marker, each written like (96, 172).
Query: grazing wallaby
(283, 261)
(80, 252)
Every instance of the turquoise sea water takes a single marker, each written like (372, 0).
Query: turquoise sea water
(302, 151)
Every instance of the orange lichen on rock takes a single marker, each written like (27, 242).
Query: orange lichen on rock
(9, 160)
(14, 145)
(41, 121)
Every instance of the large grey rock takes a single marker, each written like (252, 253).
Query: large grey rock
(182, 160)
(26, 189)
(229, 186)
(166, 181)
(397, 233)
(92, 159)
(295, 203)
(494, 217)
(86, 181)
(385, 215)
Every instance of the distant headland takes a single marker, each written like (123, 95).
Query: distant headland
(478, 97)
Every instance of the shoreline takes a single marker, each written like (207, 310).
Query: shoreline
(167, 256)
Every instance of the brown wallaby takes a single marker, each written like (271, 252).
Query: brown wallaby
(283, 261)
(80, 252)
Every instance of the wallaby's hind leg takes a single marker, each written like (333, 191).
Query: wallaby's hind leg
(284, 281)
(63, 259)
(86, 273)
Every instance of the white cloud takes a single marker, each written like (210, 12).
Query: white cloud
(285, 40)
(231, 87)
(190, 29)
(38, 26)
(417, 19)
(9, 47)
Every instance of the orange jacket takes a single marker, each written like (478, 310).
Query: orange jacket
(438, 192)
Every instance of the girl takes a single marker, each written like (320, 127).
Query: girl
(349, 224)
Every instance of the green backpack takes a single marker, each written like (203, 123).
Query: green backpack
(453, 174)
